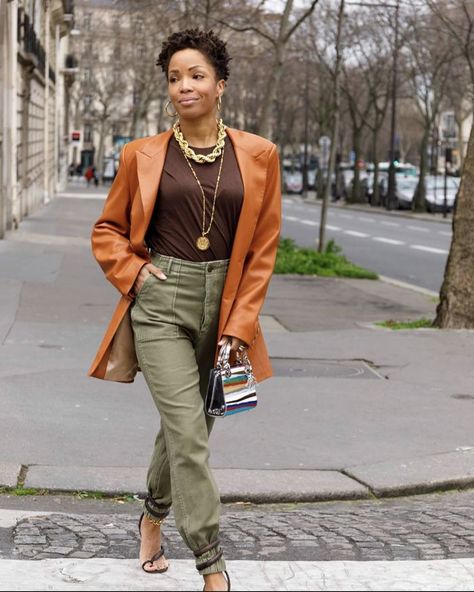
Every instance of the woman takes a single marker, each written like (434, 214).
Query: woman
(188, 235)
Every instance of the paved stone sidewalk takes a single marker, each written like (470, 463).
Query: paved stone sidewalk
(438, 526)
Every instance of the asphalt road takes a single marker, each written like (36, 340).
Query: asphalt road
(413, 251)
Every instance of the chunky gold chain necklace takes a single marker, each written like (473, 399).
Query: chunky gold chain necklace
(201, 158)
(202, 242)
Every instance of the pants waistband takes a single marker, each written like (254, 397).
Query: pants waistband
(168, 262)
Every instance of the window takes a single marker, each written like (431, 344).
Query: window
(87, 21)
(87, 133)
(140, 50)
(139, 24)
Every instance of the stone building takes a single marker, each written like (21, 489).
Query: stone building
(34, 78)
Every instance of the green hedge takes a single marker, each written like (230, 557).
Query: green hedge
(305, 261)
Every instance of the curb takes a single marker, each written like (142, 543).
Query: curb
(408, 286)
(437, 472)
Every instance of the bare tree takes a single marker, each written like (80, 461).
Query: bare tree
(456, 307)
(276, 29)
(335, 128)
(430, 58)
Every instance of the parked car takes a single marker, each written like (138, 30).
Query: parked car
(435, 192)
(406, 186)
(405, 190)
(292, 181)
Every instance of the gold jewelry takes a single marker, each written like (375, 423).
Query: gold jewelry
(167, 112)
(189, 152)
(202, 242)
(156, 522)
(219, 103)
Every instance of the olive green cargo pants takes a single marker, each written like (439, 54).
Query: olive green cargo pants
(175, 323)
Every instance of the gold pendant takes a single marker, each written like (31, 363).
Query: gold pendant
(202, 243)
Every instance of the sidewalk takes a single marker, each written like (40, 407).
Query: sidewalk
(353, 410)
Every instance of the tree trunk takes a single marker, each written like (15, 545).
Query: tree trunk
(99, 161)
(264, 128)
(355, 194)
(456, 307)
(419, 201)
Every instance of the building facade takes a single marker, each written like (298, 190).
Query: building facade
(118, 98)
(34, 41)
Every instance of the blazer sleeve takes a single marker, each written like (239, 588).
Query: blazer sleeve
(110, 238)
(260, 259)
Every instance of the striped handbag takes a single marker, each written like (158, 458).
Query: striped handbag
(231, 389)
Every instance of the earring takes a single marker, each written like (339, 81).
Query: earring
(167, 112)
(219, 103)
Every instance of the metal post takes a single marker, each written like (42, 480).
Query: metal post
(445, 200)
(391, 192)
(306, 124)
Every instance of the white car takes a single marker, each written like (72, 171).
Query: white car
(435, 192)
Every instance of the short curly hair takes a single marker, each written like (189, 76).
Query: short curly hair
(205, 41)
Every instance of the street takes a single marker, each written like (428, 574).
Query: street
(412, 251)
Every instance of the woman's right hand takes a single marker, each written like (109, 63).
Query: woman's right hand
(145, 271)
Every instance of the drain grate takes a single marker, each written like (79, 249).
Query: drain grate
(314, 368)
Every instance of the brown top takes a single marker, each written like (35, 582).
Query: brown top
(176, 222)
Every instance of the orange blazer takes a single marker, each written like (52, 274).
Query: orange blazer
(119, 247)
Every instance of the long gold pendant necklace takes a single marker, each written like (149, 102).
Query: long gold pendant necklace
(202, 242)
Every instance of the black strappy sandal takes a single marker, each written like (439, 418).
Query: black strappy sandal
(155, 557)
(209, 562)
(227, 577)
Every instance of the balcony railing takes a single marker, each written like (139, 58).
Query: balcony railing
(31, 45)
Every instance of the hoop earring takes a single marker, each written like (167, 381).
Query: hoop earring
(219, 103)
(167, 112)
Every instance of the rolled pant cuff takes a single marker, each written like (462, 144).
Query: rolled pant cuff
(154, 511)
(219, 565)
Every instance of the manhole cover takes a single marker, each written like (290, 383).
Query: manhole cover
(309, 368)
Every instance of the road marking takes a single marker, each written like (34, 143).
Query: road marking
(83, 195)
(309, 222)
(430, 249)
(355, 233)
(389, 223)
(329, 227)
(445, 233)
(291, 218)
(366, 219)
(417, 228)
(390, 241)
(346, 215)
(288, 201)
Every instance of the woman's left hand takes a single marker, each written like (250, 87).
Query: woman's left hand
(235, 342)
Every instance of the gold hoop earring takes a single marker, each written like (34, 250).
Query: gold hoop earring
(167, 112)
(219, 103)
